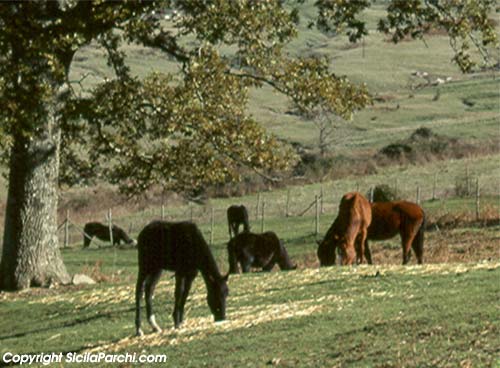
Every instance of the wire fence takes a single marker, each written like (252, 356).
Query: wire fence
(300, 211)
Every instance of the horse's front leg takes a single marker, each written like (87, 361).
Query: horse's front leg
(182, 287)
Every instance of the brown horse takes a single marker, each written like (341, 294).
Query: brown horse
(391, 218)
(348, 232)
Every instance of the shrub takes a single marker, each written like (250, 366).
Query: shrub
(384, 193)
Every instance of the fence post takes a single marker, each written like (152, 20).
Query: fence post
(212, 227)
(321, 200)
(477, 200)
(257, 207)
(287, 206)
(418, 194)
(316, 218)
(262, 218)
(66, 230)
(162, 212)
(467, 180)
(434, 187)
(371, 194)
(110, 225)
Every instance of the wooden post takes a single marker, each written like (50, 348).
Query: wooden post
(371, 195)
(257, 207)
(316, 218)
(418, 194)
(110, 225)
(212, 227)
(162, 212)
(467, 180)
(66, 230)
(478, 213)
(434, 187)
(287, 206)
(321, 200)
(262, 217)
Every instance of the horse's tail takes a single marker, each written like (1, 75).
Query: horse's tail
(231, 252)
(418, 241)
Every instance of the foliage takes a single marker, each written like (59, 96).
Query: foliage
(191, 128)
(465, 22)
(384, 193)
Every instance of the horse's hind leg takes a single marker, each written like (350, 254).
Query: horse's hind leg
(360, 246)
(182, 287)
(368, 253)
(418, 244)
(269, 266)
(139, 290)
(151, 282)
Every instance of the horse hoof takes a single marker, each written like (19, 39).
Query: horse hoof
(139, 333)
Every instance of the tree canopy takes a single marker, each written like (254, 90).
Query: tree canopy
(189, 129)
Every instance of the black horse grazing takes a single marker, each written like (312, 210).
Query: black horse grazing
(257, 250)
(237, 215)
(177, 247)
(101, 231)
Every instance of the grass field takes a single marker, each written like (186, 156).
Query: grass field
(383, 316)
(443, 314)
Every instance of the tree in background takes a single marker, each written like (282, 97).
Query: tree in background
(182, 130)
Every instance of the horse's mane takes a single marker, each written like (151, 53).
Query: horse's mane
(210, 265)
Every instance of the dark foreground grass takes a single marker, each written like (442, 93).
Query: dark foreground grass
(443, 315)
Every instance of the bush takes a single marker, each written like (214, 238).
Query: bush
(384, 193)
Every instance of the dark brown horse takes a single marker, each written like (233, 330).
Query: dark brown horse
(181, 248)
(399, 217)
(257, 250)
(101, 231)
(348, 232)
(236, 216)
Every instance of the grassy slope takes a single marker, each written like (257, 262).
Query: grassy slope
(433, 316)
(388, 316)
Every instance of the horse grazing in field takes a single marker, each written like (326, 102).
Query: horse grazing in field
(391, 218)
(257, 250)
(178, 247)
(237, 215)
(348, 232)
(101, 231)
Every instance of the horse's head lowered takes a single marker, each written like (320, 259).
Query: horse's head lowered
(216, 297)
(326, 252)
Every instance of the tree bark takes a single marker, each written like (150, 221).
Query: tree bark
(30, 254)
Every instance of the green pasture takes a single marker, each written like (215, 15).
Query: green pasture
(378, 316)
(300, 224)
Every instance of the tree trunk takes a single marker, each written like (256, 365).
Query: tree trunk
(30, 254)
